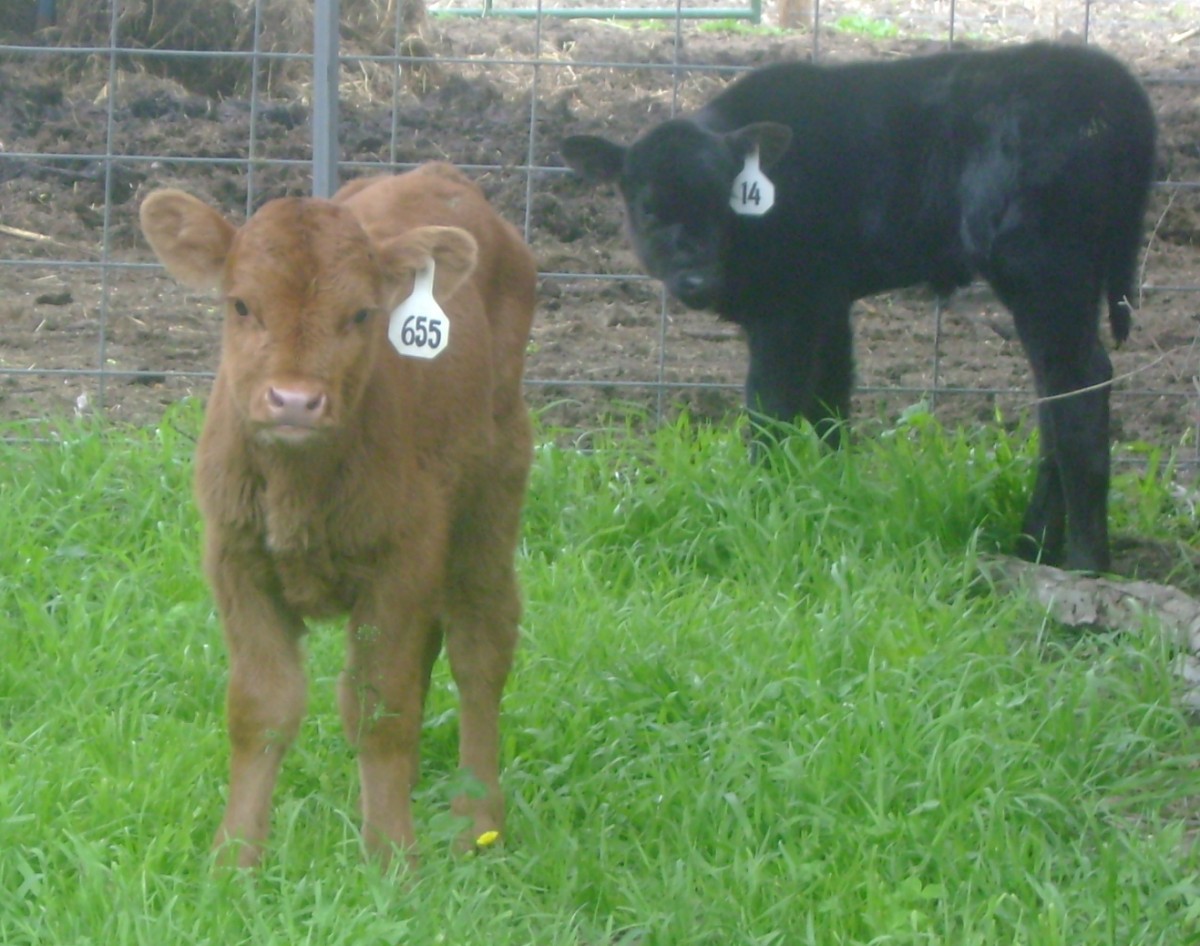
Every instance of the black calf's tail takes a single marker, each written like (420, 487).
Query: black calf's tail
(1121, 281)
(1126, 235)
(1120, 318)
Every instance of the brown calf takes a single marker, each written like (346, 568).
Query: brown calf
(335, 475)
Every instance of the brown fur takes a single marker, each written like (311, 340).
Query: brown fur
(388, 488)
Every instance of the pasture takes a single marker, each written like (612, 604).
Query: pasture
(749, 707)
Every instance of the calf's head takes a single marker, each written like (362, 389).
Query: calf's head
(676, 181)
(306, 293)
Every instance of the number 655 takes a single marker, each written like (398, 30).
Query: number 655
(421, 331)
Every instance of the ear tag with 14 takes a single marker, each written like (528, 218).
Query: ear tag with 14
(418, 327)
(753, 193)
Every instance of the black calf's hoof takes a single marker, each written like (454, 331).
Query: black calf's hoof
(1090, 563)
(1031, 550)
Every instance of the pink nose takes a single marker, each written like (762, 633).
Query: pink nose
(293, 407)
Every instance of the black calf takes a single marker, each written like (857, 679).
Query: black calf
(1029, 166)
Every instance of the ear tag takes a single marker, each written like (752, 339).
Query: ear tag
(753, 193)
(418, 327)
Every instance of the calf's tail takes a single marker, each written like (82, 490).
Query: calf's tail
(1125, 234)
(1121, 279)
(1120, 307)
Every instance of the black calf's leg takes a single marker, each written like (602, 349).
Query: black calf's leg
(1053, 290)
(802, 368)
(835, 378)
(1043, 531)
(1066, 522)
(1081, 427)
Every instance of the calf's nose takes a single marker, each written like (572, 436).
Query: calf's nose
(295, 406)
(695, 290)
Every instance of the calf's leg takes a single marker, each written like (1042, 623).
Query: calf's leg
(1054, 297)
(266, 703)
(1081, 450)
(1043, 529)
(483, 610)
(802, 367)
(481, 639)
(381, 696)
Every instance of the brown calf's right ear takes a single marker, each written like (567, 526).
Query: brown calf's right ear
(453, 250)
(190, 238)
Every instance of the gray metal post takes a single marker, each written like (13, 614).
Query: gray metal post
(326, 17)
(47, 13)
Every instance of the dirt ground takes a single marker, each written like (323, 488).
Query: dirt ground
(602, 346)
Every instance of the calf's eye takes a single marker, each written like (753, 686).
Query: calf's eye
(361, 316)
(240, 308)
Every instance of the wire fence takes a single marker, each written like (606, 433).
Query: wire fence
(300, 97)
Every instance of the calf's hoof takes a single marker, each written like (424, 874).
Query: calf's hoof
(235, 852)
(1031, 549)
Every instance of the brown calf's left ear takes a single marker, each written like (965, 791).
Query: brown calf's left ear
(190, 238)
(453, 250)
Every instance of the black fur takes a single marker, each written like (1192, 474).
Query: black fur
(1029, 166)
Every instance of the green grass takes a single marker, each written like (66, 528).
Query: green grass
(752, 706)
(866, 26)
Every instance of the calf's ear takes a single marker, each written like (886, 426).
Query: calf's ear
(453, 250)
(771, 139)
(188, 236)
(593, 158)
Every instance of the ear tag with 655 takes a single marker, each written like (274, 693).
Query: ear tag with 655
(418, 327)
(753, 193)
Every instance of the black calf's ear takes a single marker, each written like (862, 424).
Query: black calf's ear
(593, 158)
(771, 139)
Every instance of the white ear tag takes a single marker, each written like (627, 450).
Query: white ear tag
(753, 193)
(418, 327)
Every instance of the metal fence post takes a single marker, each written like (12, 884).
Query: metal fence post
(325, 147)
(47, 13)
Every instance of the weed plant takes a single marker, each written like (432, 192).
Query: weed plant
(754, 704)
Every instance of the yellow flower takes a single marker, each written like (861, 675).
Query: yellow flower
(487, 839)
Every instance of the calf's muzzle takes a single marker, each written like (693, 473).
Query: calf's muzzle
(294, 405)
